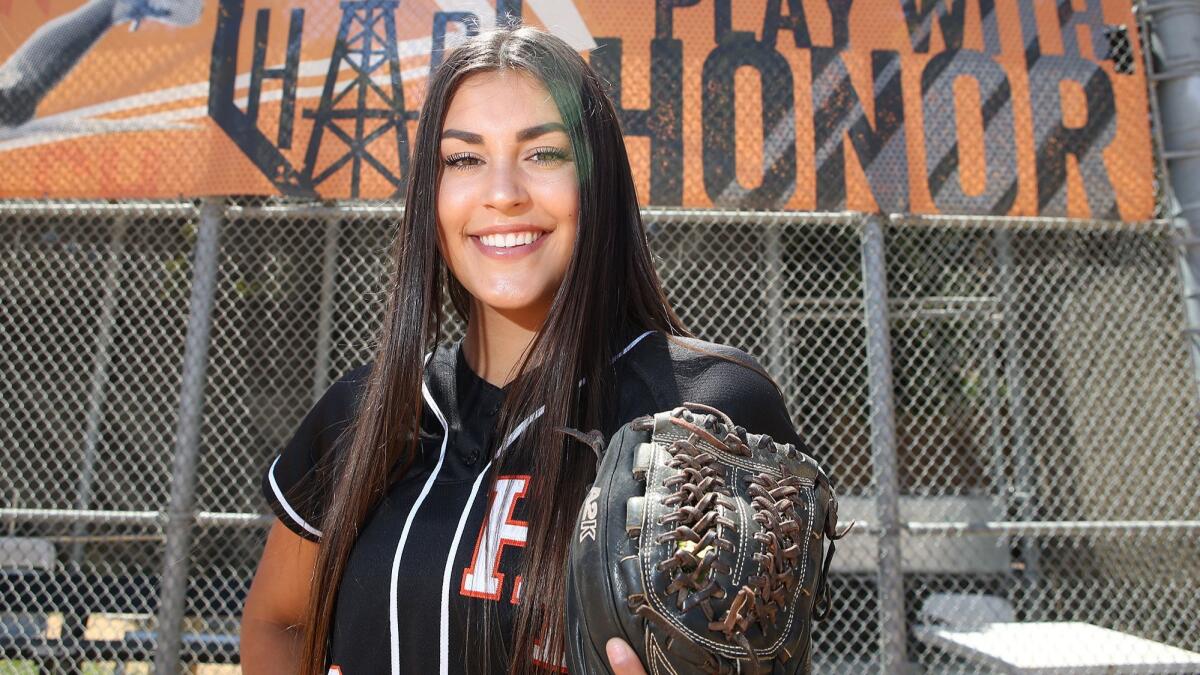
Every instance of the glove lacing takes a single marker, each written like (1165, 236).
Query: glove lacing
(700, 498)
(701, 501)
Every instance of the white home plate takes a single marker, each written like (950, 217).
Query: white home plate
(1060, 647)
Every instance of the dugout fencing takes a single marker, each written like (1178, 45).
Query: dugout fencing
(1036, 442)
(1006, 404)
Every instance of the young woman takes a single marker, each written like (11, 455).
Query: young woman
(425, 502)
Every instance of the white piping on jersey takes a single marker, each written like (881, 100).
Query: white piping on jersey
(629, 346)
(287, 507)
(393, 616)
(284, 502)
(512, 436)
(444, 627)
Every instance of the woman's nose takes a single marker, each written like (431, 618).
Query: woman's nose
(507, 190)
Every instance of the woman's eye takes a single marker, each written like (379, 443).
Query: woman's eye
(543, 156)
(461, 160)
(549, 156)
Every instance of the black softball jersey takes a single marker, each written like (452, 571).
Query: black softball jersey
(421, 559)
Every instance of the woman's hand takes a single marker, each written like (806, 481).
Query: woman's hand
(622, 659)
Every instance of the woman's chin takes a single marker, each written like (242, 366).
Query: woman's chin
(505, 304)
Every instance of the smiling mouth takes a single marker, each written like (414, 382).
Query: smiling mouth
(511, 240)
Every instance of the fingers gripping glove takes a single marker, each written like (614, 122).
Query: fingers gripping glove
(701, 546)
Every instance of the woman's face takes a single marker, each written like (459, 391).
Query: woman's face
(508, 198)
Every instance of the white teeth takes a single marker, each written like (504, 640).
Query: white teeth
(509, 240)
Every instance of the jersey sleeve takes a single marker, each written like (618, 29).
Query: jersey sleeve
(724, 377)
(297, 481)
(750, 400)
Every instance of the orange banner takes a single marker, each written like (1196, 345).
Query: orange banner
(1003, 107)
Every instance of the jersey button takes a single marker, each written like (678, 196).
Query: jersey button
(471, 457)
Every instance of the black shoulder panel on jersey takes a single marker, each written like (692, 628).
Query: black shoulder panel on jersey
(679, 369)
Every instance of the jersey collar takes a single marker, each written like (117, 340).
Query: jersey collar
(442, 377)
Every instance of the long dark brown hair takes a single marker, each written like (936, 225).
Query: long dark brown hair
(610, 286)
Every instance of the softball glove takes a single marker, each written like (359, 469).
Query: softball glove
(705, 547)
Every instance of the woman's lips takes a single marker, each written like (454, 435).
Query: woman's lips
(511, 252)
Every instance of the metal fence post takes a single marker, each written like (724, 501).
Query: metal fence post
(892, 627)
(775, 288)
(325, 317)
(180, 519)
(1174, 101)
(1023, 491)
(96, 390)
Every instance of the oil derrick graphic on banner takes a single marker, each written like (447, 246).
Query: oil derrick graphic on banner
(345, 114)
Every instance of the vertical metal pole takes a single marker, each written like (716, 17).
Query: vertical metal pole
(774, 285)
(999, 457)
(892, 626)
(325, 316)
(1176, 42)
(95, 413)
(1023, 478)
(171, 603)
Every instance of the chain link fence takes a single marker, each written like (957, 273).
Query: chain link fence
(1004, 404)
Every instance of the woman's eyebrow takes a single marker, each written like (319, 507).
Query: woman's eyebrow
(539, 130)
(522, 135)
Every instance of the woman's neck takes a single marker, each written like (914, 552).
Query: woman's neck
(495, 340)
